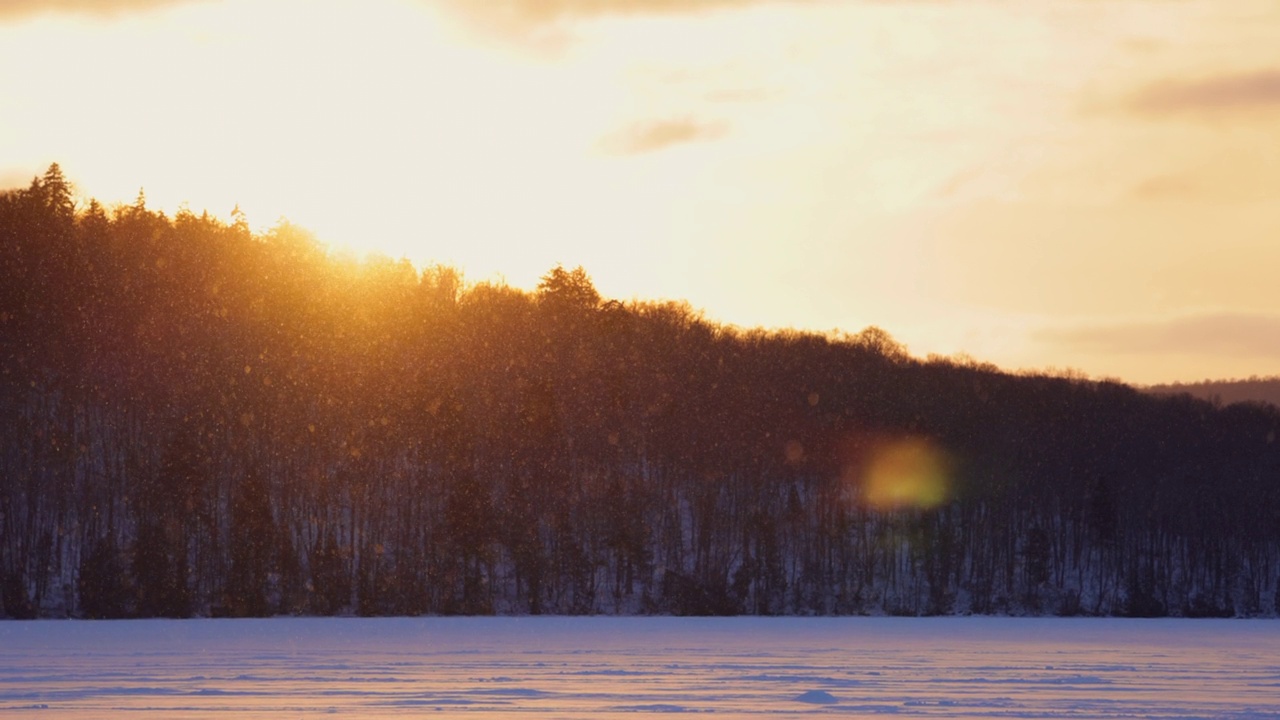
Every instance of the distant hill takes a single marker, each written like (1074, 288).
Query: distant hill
(202, 421)
(1226, 392)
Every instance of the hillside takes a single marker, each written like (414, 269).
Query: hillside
(1226, 392)
(205, 421)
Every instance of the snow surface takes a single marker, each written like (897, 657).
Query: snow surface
(609, 667)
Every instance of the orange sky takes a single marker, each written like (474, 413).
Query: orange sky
(1087, 184)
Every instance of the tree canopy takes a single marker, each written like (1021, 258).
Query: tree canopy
(201, 420)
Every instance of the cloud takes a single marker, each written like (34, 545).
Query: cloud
(1220, 334)
(534, 12)
(1166, 187)
(658, 135)
(516, 19)
(23, 8)
(1259, 90)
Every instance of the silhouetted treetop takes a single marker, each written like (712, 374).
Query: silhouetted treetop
(562, 288)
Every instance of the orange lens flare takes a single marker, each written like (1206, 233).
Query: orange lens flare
(907, 473)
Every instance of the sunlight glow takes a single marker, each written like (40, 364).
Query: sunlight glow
(952, 172)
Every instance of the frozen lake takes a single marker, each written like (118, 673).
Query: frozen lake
(628, 667)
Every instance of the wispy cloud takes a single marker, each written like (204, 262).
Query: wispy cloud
(533, 12)
(544, 24)
(1258, 90)
(1248, 174)
(658, 135)
(1221, 334)
(1166, 187)
(14, 9)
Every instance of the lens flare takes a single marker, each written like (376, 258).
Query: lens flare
(905, 473)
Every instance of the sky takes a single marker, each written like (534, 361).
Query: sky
(1085, 185)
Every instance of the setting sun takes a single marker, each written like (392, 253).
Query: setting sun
(1035, 186)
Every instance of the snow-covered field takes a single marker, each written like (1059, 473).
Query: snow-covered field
(628, 667)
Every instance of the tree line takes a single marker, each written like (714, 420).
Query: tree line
(1226, 392)
(199, 420)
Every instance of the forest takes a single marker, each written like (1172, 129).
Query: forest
(200, 420)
